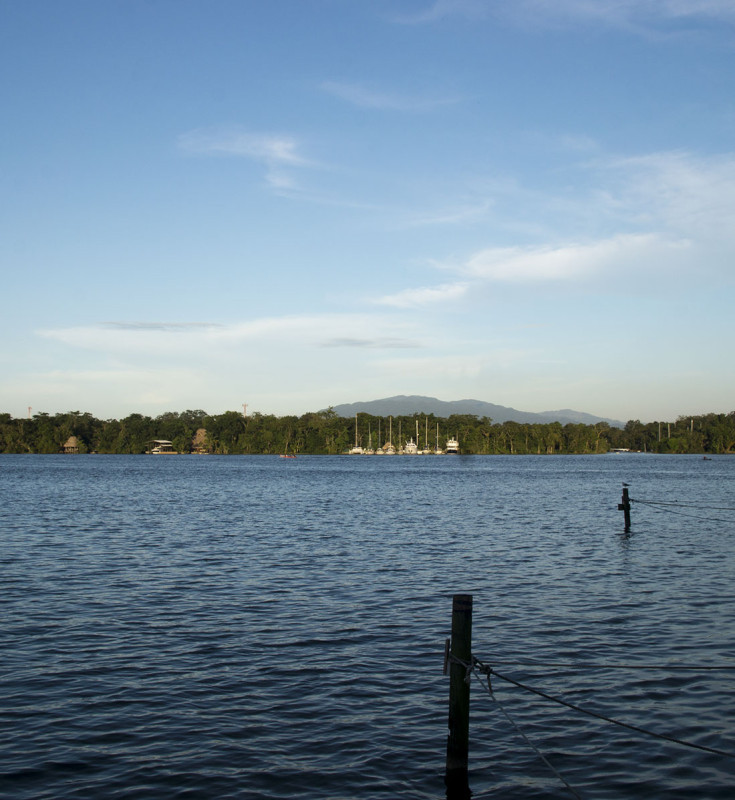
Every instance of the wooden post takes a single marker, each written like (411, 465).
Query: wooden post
(624, 506)
(459, 699)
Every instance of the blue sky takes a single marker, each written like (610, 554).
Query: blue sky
(301, 203)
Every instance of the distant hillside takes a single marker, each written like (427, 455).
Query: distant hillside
(416, 404)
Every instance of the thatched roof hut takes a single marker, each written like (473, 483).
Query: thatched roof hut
(71, 445)
(199, 442)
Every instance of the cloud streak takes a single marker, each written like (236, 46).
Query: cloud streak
(364, 97)
(654, 219)
(570, 262)
(676, 191)
(377, 344)
(591, 263)
(162, 326)
(278, 153)
(162, 338)
(456, 215)
(633, 15)
(270, 148)
(441, 9)
(425, 296)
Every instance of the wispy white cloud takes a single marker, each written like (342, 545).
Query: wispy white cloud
(153, 339)
(365, 97)
(676, 191)
(162, 326)
(278, 153)
(652, 219)
(425, 296)
(634, 15)
(451, 215)
(380, 343)
(569, 262)
(441, 9)
(630, 10)
(267, 147)
(320, 329)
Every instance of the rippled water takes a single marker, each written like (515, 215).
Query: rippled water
(255, 627)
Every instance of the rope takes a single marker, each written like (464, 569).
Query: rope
(682, 505)
(468, 665)
(677, 505)
(680, 513)
(582, 665)
(521, 733)
(602, 717)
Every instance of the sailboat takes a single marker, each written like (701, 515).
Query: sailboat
(427, 450)
(379, 451)
(388, 448)
(369, 451)
(437, 450)
(356, 450)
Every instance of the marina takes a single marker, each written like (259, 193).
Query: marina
(406, 447)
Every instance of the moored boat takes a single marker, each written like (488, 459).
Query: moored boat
(356, 450)
(452, 448)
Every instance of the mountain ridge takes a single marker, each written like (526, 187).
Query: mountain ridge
(419, 404)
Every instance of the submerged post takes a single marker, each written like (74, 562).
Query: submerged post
(624, 506)
(460, 654)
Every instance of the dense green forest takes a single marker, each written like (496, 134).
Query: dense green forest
(324, 433)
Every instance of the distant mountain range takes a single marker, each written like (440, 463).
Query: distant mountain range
(416, 404)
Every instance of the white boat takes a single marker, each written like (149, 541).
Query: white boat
(452, 448)
(162, 447)
(356, 450)
(411, 448)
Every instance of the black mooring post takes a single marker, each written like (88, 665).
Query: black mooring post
(624, 506)
(460, 654)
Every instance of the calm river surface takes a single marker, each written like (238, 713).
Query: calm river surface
(256, 627)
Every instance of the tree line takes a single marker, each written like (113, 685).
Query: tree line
(326, 433)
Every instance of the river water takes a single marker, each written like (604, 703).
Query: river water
(256, 627)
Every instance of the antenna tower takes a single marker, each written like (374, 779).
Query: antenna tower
(244, 409)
